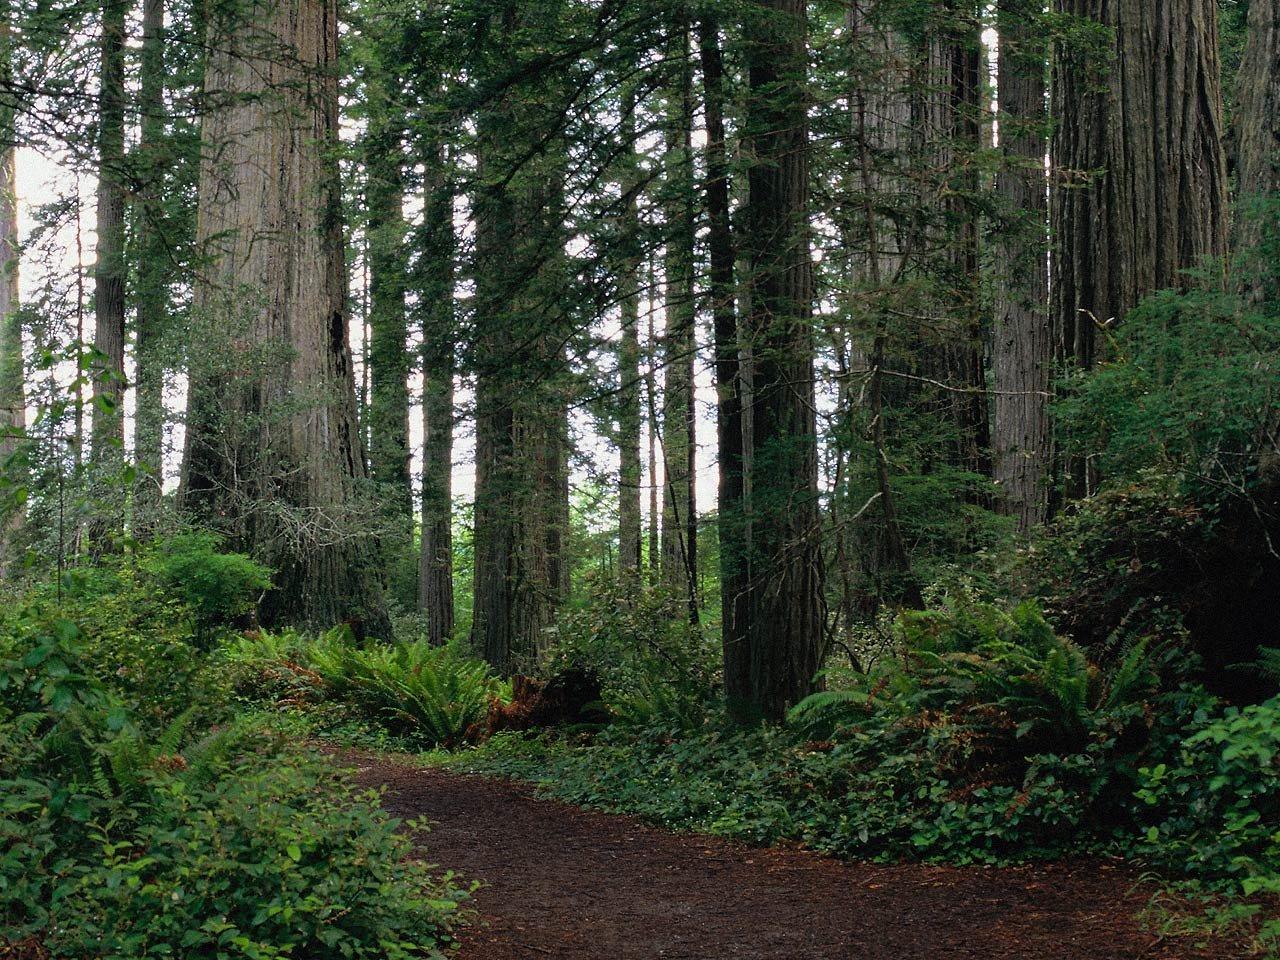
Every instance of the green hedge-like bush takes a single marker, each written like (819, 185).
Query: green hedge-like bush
(1215, 806)
(123, 839)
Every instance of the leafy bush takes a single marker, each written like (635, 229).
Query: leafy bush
(1215, 806)
(1130, 564)
(655, 667)
(116, 842)
(1191, 393)
(216, 586)
(285, 860)
(1182, 426)
(1004, 677)
(132, 637)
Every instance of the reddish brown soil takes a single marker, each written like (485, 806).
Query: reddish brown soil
(577, 885)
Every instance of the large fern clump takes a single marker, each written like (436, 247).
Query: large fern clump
(1000, 678)
(431, 695)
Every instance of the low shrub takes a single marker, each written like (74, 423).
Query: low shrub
(120, 840)
(654, 666)
(217, 586)
(1215, 805)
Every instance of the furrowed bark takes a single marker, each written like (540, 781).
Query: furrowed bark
(274, 456)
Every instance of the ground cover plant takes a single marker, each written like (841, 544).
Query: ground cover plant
(141, 817)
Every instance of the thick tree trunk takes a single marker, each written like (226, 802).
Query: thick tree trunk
(109, 272)
(153, 258)
(630, 474)
(964, 354)
(435, 565)
(388, 421)
(1022, 348)
(1139, 192)
(679, 447)
(1258, 149)
(773, 666)
(273, 447)
(731, 506)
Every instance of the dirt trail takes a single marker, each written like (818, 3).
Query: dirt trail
(577, 885)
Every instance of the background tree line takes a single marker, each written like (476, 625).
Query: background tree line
(893, 245)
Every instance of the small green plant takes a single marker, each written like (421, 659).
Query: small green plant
(217, 586)
(120, 839)
(655, 667)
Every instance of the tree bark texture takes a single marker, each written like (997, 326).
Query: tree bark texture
(773, 665)
(521, 507)
(1258, 150)
(12, 369)
(154, 257)
(731, 506)
(435, 565)
(1138, 165)
(109, 271)
(630, 475)
(679, 446)
(388, 326)
(274, 455)
(1022, 345)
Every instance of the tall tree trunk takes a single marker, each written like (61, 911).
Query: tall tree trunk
(435, 566)
(651, 404)
(679, 446)
(1022, 348)
(153, 257)
(731, 507)
(1258, 149)
(109, 272)
(388, 327)
(12, 369)
(964, 360)
(881, 112)
(774, 666)
(273, 445)
(1138, 162)
(521, 507)
(629, 412)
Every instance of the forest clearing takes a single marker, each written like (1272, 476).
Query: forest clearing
(490, 479)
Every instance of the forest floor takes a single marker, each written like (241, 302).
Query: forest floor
(559, 881)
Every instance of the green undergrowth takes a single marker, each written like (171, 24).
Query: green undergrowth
(408, 694)
(143, 815)
(986, 739)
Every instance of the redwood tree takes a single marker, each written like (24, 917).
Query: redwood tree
(521, 504)
(679, 446)
(436, 302)
(1140, 177)
(109, 272)
(274, 456)
(771, 663)
(12, 369)
(1022, 352)
(1258, 150)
